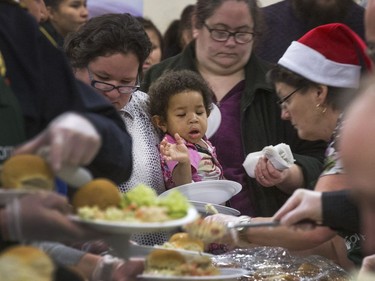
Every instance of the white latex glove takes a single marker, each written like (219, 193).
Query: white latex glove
(72, 139)
(231, 240)
(41, 216)
(110, 268)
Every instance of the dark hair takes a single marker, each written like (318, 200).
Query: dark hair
(105, 35)
(171, 40)
(175, 82)
(337, 98)
(148, 24)
(54, 4)
(206, 8)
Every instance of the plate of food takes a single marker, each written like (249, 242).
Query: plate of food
(143, 250)
(225, 274)
(213, 122)
(210, 191)
(179, 241)
(128, 227)
(163, 264)
(102, 207)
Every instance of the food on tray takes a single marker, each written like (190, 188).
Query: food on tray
(21, 263)
(27, 171)
(207, 231)
(140, 204)
(182, 240)
(100, 192)
(172, 263)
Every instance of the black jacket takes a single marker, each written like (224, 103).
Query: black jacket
(42, 80)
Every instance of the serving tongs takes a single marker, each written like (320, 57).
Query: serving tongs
(242, 225)
(211, 231)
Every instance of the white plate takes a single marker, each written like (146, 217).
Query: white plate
(225, 274)
(124, 227)
(143, 250)
(201, 207)
(213, 122)
(7, 195)
(210, 191)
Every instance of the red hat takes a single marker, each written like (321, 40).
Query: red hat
(330, 54)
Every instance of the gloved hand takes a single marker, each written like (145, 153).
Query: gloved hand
(41, 216)
(231, 240)
(111, 268)
(72, 139)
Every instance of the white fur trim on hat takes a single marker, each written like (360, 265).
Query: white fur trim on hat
(312, 65)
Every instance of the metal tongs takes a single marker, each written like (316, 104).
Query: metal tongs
(240, 226)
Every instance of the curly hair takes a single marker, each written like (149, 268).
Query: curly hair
(105, 35)
(172, 83)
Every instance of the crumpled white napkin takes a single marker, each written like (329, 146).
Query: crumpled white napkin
(280, 156)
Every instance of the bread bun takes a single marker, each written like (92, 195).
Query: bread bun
(182, 240)
(27, 171)
(99, 192)
(21, 263)
(161, 260)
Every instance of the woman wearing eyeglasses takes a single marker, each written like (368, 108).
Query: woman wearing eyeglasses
(225, 32)
(108, 53)
(316, 79)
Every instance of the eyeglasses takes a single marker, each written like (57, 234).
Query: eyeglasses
(371, 51)
(282, 101)
(221, 35)
(106, 87)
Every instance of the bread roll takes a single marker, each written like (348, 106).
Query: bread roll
(164, 260)
(27, 171)
(22, 263)
(99, 192)
(182, 240)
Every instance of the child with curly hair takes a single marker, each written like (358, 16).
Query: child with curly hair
(180, 103)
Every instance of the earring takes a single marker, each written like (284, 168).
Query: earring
(323, 109)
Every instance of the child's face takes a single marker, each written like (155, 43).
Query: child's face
(187, 116)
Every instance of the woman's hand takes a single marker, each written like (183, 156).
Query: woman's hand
(267, 175)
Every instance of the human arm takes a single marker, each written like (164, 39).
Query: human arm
(43, 82)
(178, 151)
(41, 216)
(92, 267)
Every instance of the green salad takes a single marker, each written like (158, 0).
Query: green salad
(141, 204)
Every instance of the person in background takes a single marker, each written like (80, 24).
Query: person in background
(64, 16)
(108, 53)
(71, 118)
(221, 53)
(288, 20)
(37, 8)
(316, 83)
(179, 105)
(179, 33)
(156, 39)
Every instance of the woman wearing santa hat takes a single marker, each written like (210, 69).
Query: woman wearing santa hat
(315, 79)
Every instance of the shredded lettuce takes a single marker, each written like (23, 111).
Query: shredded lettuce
(176, 203)
(140, 195)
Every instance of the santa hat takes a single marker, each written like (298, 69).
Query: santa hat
(330, 54)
